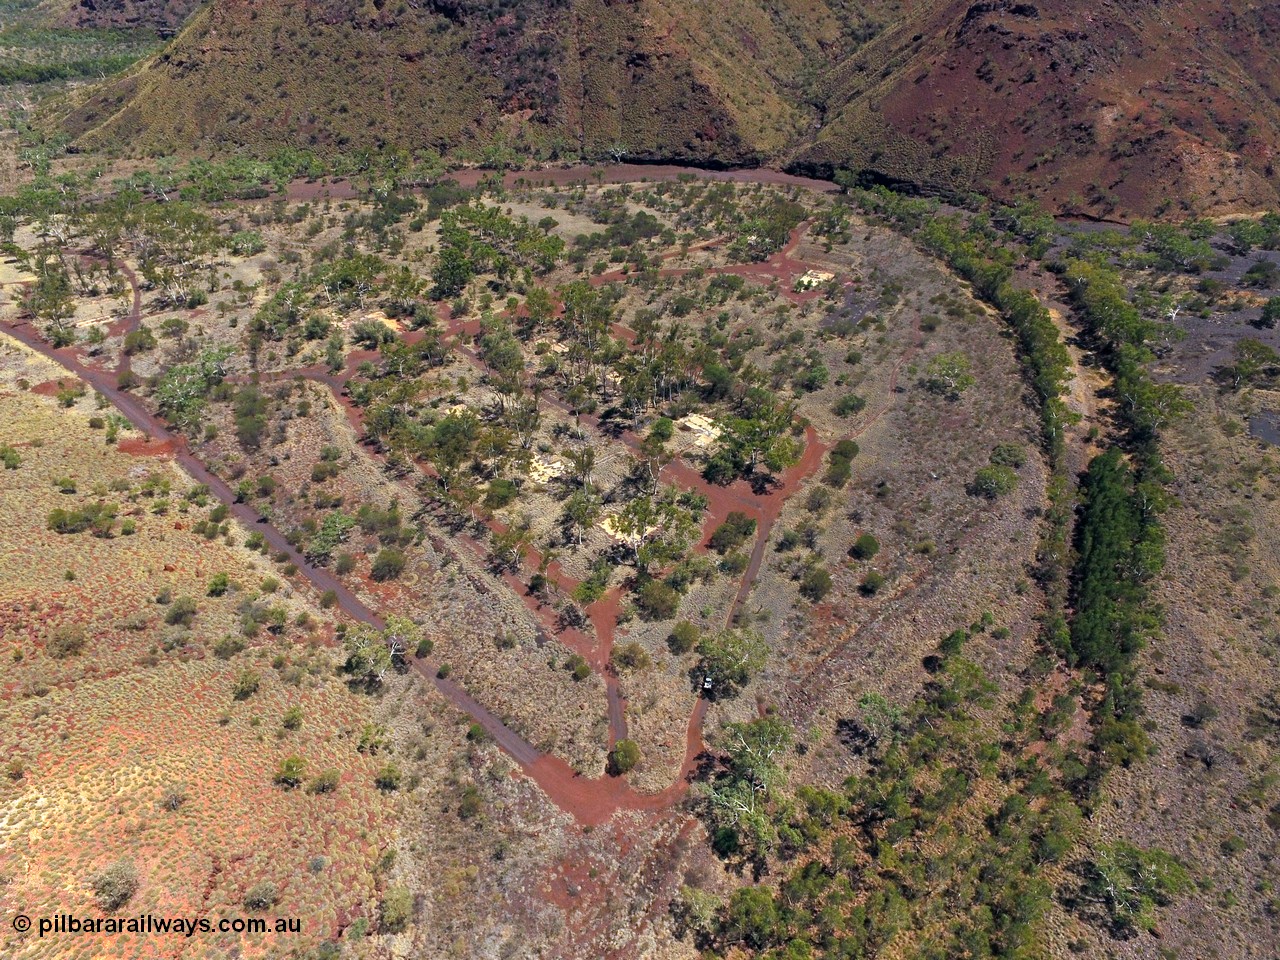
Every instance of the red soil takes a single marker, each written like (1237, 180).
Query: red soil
(146, 447)
(49, 388)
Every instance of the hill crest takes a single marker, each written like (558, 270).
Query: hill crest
(1107, 111)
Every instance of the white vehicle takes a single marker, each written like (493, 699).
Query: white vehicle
(706, 683)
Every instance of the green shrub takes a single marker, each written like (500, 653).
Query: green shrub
(98, 517)
(789, 540)
(326, 781)
(67, 641)
(657, 600)
(227, 647)
(733, 533)
(630, 656)
(953, 643)
(470, 804)
(623, 757)
(1270, 315)
(840, 465)
(1009, 455)
(116, 885)
(291, 772)
(246, 685)
(389, 777)
(865, 547)
(838, 473)
(500, 493)
(388, 564)
(262, 896)
(181, 612)
(578, 667)
(813, 376)
(872, 583)
(993, 481)
(139, 341)
(397, 909)
(848, 405)
(815, 584)
(324, 470)
(684, 636)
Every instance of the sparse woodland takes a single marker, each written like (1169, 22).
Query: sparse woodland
(685, 564)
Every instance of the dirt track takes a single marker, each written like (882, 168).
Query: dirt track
(305, 191)
(589, 800)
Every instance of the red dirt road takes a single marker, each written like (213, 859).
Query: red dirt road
(589, 800)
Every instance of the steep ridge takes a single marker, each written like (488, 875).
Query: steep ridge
(1106, 109)
(550, 78)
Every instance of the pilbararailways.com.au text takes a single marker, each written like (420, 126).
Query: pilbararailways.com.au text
(64, 923)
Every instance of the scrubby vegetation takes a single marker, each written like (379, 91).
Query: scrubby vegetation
(594, 465)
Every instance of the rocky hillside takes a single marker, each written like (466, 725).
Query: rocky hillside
(551, 78)
(1104, 108)
(160, 15)
(1107, 109)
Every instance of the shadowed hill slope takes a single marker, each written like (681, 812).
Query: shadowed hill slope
(549, 77)
(163, 15)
